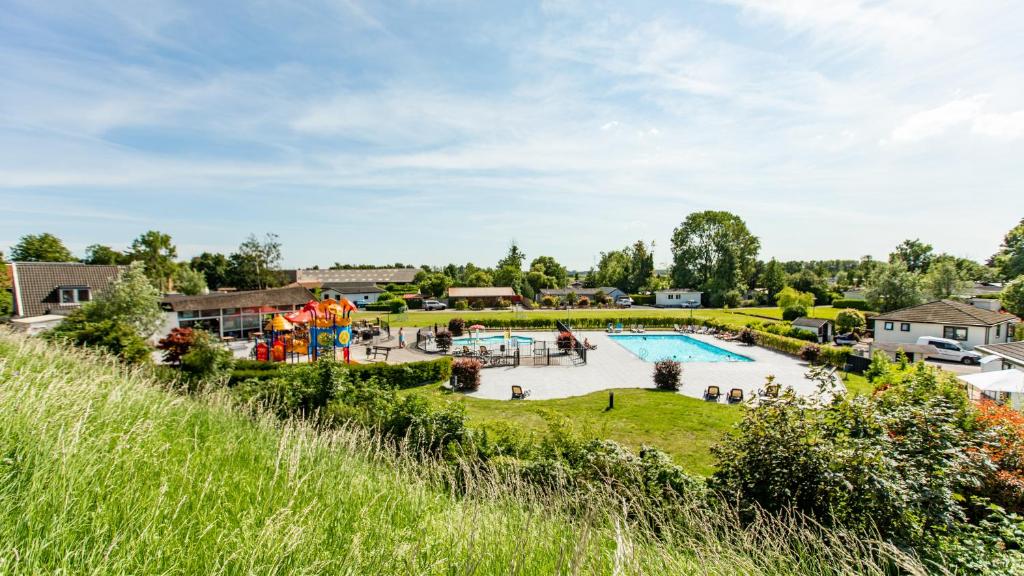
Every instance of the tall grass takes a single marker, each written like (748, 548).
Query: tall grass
(102, 471)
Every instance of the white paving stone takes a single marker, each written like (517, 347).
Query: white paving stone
(612, 366)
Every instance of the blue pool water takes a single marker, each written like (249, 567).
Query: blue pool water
(679, 347)
(491, 340)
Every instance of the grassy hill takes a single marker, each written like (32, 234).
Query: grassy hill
(102, 471)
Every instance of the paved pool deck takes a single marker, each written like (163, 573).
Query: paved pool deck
(612, 366)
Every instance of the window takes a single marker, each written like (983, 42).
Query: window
(954, 333)
(73, 296)
(905, 327)
(888, 325)
(998, 328)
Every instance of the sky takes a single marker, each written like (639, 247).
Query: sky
(436, 132)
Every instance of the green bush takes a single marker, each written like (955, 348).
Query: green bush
(477, 304)
(119, 339)
(466, 374)
(408, 375)
(861, 305)
(849, 320)
(393, 305)
(206, 360)
(461, 304)
(548, 301)
(502, 303)
(793, 312)
(810, 353)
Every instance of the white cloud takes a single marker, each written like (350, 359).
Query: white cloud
(936, 121)
(1001, 126)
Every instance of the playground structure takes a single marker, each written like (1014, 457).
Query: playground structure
(316, 331)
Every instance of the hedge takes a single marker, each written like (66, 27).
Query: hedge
(643, 299)
(861, 305)
(405, 375)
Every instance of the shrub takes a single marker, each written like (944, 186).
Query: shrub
(583, 302)
(600, 297)
(849, 320)
(176, 344)
(861, 305)
(1013, 297)
(384, 296)
(457, 326)
(548, 301)
(502, 303)
(527, 303)
(443, 340)
(748, 337)
(393, 305)
(117, 338)
(793, 312)
(732, 299)
(206, 359)
(810, 353)
(461, 304)
(466, 374)
(477, 304)
(666, 374)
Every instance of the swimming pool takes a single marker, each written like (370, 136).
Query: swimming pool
(492, 340)
(679, 347)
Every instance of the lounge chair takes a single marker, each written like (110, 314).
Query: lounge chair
(675, 328)
(518, 393)
(771, 391)
(712, 393)
(618, 328)
(484, 351)
(610, 328)
(735, 395)
(640, 329)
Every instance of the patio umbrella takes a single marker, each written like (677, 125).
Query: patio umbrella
(476, 327)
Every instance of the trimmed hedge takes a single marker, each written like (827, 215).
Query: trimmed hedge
(861, 305)
(406, 375)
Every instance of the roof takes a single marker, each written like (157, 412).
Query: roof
(35, 284)
(1009, 350)
(947, 312)
(361, 275)
(997, 381)
(678, 291)
(486, 292)
(579, 291)
(287, 296)
(810, 322)
(352, 287)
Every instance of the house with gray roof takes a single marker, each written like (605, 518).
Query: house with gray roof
(1011, 354)
(310, 278)
(969, 325)
(57, 288)
(231, 314)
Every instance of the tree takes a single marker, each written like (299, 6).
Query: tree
(892, 287)
(612, 270)
(132, 300)
(807, 280)
(479, 279)
(43, 247)
(156, 251)
(943, 280)
(510, 271)
(1013, 297)
(915, 254)
(85, 329)
(435, 284)
(6, 300)
(189, 281)
(849, 320)
(550, 267)
(214, 267)
(773, 278)
(713, 251)
(539, 280)
(1010, 258)
(514, 258)
(100, 254)
(789, 297)
(255, 264)
(640, 270)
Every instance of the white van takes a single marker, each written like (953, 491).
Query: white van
(949, 350)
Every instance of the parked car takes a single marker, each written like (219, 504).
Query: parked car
(691, 304)
(624, 302)
(434, 305)
(950, 350)
(848, 339)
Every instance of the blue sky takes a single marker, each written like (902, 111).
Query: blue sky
(430, 132)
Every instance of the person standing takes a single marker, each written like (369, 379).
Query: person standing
(401, 338)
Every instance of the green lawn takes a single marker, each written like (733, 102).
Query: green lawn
(422, 318)
(684, 427)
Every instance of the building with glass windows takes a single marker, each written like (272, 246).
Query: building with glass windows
(231, 314)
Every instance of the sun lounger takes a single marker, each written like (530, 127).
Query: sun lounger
(735, 395)
(518, 393)
(676, 328)
(618, 327)
(610, 328)
(712, 393)
(640, 329)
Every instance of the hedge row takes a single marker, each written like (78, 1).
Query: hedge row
(833, 355)
(405, 375)
(861, 305)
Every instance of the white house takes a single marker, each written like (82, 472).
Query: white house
(945, 319)
(677, 298)
(1010, 355)
(358, 293)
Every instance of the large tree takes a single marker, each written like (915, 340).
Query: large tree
(943, 280)
(131, 300)
(510, 271)
(1010, 258)
(255, 264)
(892, 287)
(1013, 296)
(189, 281)
(43, 247)
(612, 270)
(773, 278)
(713, 251)
(101, 254)
(215, 268)
(157, 252)
(550, 268)
(915, 254)
(640, 270)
